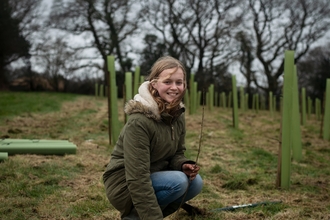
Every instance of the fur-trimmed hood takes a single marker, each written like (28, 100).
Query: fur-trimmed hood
(144, 103)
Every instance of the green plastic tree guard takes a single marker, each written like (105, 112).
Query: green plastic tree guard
(318, 108)
(96, 89)
(263, 102)
(199, 98)
(211, 97)
(286, 120)
(141, 80)
(195, 100)
(326, 119)
(128, 88)
(224, 100)
(257, 103)
(303, 106)
(216, 99)
(309, 107)
(3, 156)
(44, 147)
(295, 121)
(193, 94)
(246, 101)
(113, 100)
(10, 140)
(136, 80)
(270, 103)
(235, 102)
(102, 90)
(230, 99)
(208, 100)
(186, 100)
(242, 99)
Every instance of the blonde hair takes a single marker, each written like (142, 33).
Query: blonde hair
(159, 66)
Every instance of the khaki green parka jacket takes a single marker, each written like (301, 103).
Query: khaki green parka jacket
(149, 142)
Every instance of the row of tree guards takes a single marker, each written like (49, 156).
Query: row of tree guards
(293, 112)
(225, 101)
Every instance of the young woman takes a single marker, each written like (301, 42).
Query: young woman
(148, 175)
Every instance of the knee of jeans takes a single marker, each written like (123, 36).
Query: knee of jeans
(181, 180)
(198, 183)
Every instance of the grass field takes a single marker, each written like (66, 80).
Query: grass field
(238, 166)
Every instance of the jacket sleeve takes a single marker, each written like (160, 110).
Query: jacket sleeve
(137, 169)
(179, 159)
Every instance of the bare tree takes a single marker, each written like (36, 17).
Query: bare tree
(154, 49)
(279, 25)
(58, 61)
(314, 70)
(107, 25)
(195, 31)
(168, 26)
(245, 57)
(28, 12)
(211, 28)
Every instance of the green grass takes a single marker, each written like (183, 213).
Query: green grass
(89, 207)
(17, 103)
(237, 134)
(258, 158)
(238, 166)
(24, 187)
(34, 181)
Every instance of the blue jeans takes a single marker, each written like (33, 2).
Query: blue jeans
(171, 186)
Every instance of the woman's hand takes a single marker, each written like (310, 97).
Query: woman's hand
(191, 170)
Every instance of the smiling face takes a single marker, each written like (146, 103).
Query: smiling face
(170, 84)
